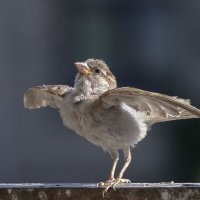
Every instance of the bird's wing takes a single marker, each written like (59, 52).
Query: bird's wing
(45, 95)
(156, 107)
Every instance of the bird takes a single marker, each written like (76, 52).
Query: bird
(111, 117)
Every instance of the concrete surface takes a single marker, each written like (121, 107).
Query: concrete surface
(85, 191)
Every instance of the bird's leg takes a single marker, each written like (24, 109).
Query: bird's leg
(127, 157)
(115, 157)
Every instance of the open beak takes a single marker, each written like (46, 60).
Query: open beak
(83, 68)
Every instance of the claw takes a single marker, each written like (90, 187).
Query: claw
(106, 183)
(112, 183)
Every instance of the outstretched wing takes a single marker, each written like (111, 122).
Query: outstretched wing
(45, 95)
(155, 107)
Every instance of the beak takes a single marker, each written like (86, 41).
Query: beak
(83, 68)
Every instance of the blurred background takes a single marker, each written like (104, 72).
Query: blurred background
(152, 45)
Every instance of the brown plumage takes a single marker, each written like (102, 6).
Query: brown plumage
(107, 116)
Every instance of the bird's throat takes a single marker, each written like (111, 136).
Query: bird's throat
(83, 85)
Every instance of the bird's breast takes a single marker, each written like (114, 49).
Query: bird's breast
(76, 116)
(115, 126)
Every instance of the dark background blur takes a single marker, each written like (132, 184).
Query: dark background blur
(152, 45)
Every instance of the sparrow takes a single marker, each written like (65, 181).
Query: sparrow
(113, 118)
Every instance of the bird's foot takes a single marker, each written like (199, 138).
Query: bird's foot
(106, 183)
(112, 183)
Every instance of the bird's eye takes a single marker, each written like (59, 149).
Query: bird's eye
(97, 70)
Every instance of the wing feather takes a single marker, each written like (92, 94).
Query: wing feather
(45, 95)
(156, 107)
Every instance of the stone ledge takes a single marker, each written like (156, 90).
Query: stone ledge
(83, 191)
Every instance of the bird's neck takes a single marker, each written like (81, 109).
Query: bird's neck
(83, 86)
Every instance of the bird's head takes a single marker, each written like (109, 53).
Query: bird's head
(94, 77)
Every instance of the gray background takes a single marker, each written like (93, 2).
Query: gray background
(152, 45)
